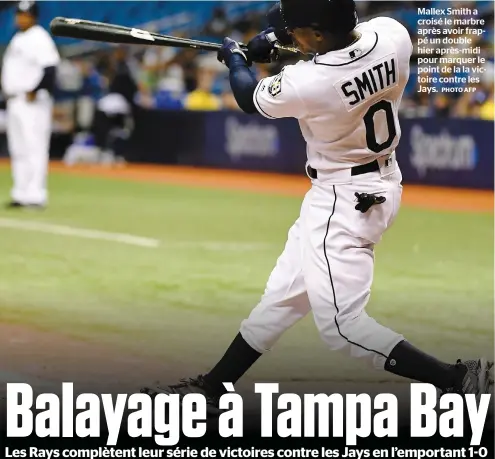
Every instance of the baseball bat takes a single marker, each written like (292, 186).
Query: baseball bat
(112, 33)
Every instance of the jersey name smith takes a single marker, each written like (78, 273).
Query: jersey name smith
(369, 81)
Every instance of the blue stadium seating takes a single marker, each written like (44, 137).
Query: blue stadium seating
(138, 13)
(168, 16)
(131, 13)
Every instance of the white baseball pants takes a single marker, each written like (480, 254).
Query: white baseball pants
(327, 267)
(29, 127)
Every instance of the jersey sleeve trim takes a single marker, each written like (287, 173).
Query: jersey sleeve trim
(256, 103)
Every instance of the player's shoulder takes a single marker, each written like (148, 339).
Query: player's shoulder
(384, 24)
(38, 32)
(297, 73)
(293, 70)
(287, 77)
(387, 26)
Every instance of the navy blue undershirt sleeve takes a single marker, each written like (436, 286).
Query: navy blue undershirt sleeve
(243, 84)
(48, 80)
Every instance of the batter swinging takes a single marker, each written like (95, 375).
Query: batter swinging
(346, 100)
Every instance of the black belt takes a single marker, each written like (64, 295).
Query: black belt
(356, 170)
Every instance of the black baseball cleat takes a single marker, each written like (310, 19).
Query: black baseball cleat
(475, 377)
(189, 386)
(18, 205)
(13, 205)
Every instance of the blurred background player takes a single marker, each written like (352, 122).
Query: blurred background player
(28, 81)
(114, 114)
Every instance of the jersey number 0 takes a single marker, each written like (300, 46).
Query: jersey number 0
(369, 122)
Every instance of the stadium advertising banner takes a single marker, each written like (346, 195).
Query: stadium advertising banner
(438, 152)
(450, 152)
(240, 141)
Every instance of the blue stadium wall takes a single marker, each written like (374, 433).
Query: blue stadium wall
(444, 152)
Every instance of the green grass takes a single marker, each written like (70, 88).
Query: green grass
(433, 280)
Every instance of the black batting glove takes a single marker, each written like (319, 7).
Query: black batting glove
(261, 48)
(365, 201)
(228, 49)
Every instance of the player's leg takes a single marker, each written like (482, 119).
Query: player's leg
(38, 142)
(338, 268)
(101, 128)
(17, 151)
(283, 303)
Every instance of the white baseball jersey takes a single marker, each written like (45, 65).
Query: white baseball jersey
(25, 59)
(347, 100)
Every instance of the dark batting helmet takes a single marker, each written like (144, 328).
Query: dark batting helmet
(338, 17)
(276, 21)
(28, 7)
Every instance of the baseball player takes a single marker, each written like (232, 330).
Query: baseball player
(346, 99)
(28, 79)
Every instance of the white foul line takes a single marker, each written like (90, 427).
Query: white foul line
(221, 246)
(62, 230)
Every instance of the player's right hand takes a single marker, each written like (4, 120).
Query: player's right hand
(261, 48)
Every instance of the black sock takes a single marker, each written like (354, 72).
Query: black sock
(240, 356)
(407, 361)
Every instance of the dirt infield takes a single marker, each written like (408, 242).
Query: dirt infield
(46, 359)
(436, 198)
(419, 196)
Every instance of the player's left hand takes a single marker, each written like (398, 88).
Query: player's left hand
(31, 96)
(228, 49)
(261, 48)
